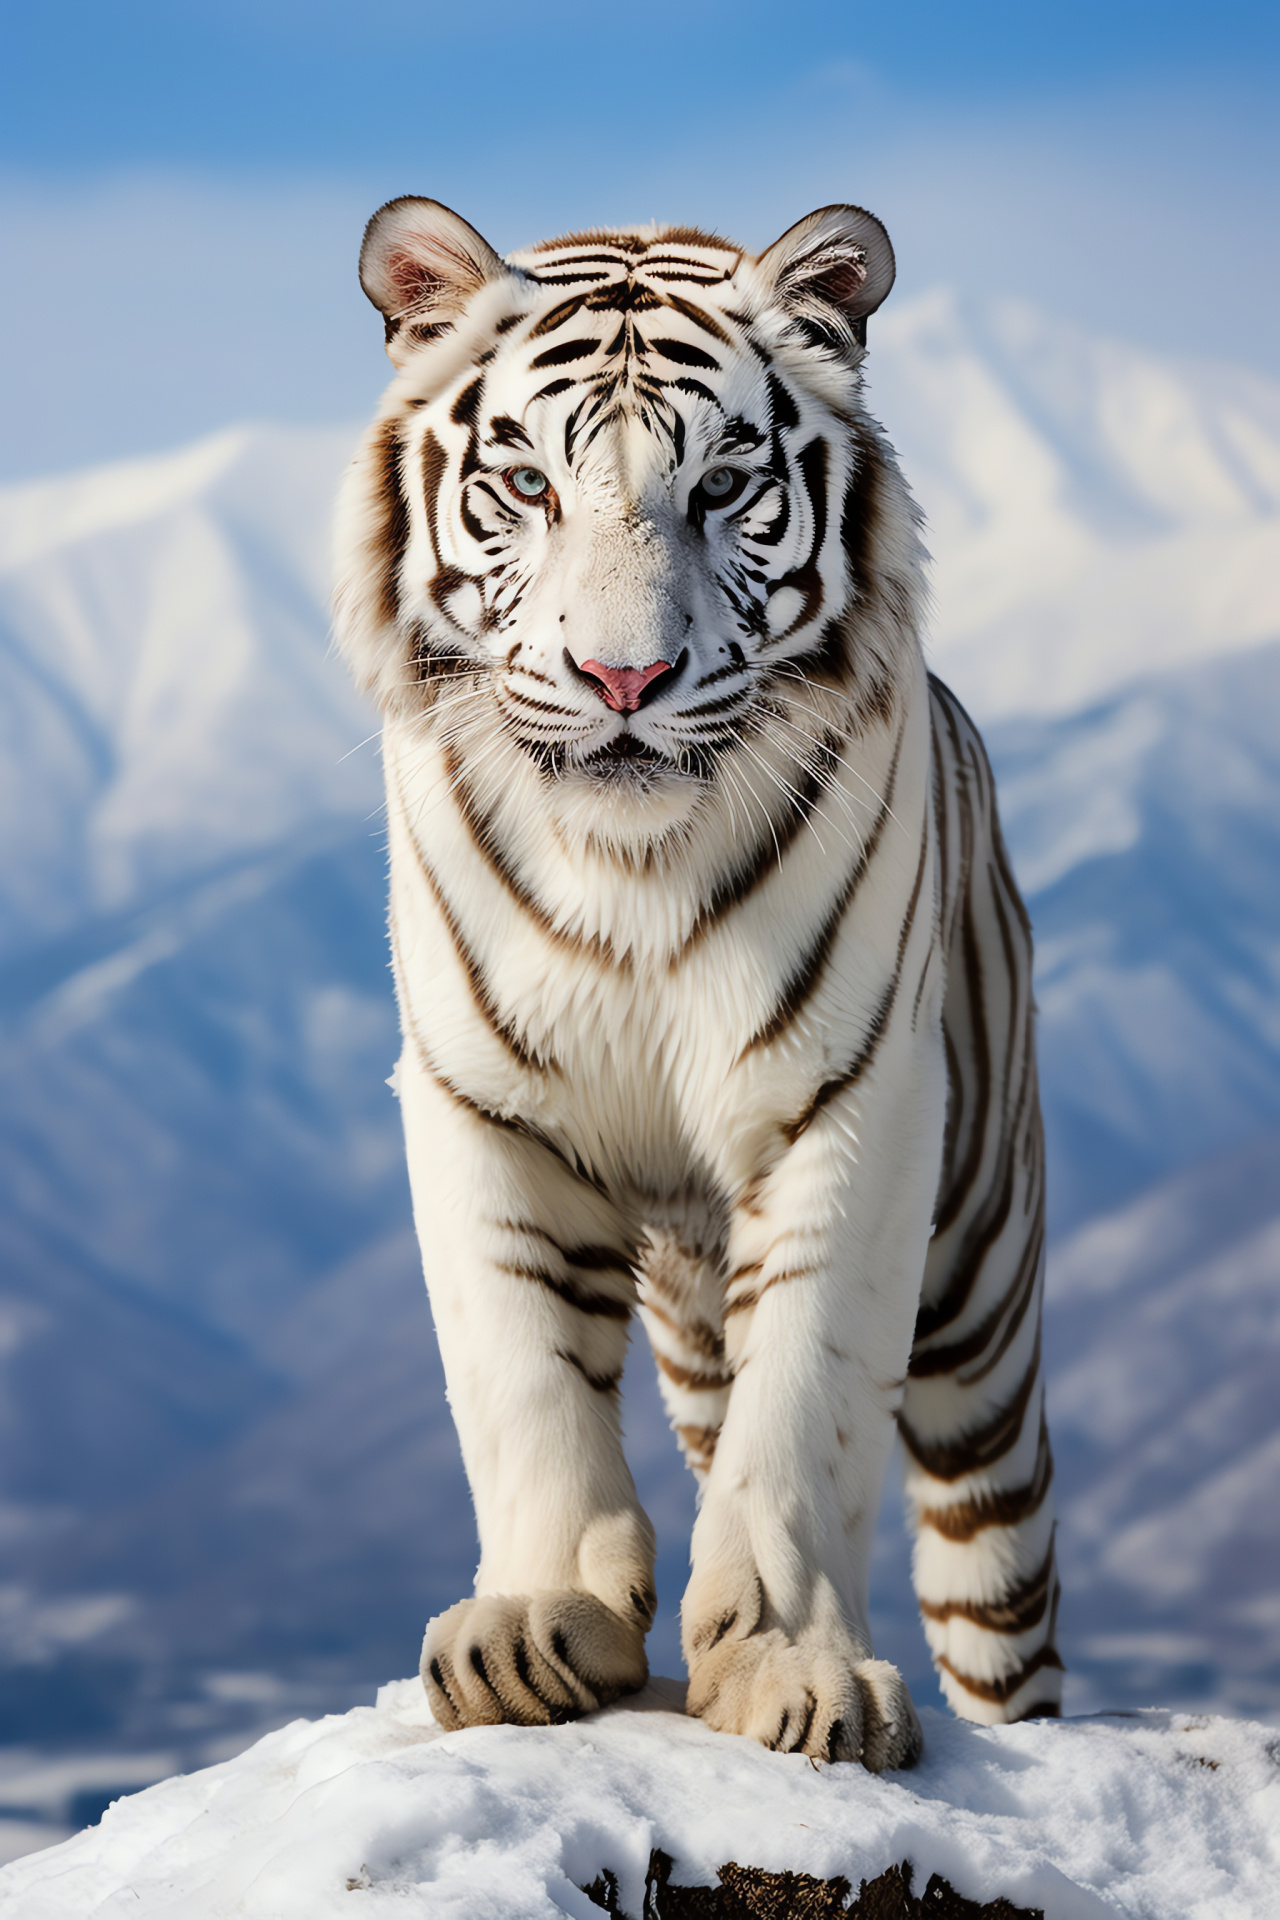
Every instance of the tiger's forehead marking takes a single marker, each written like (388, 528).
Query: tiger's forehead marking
(637, 327)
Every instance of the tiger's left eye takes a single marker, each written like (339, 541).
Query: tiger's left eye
(722, 485)
(528, 483)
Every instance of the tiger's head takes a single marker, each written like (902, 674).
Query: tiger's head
(624, 500)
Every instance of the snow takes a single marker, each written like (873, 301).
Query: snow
(1170, 1816)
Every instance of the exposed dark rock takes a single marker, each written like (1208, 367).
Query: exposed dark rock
(749, 1893)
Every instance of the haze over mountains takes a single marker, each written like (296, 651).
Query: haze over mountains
(229, 1479)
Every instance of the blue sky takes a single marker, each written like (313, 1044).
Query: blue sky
(333, 84)
(182, 184)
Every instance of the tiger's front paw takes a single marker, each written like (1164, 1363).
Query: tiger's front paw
(529, 1660)
(807, 1697)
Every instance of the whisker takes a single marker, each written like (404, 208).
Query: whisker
(795, 799)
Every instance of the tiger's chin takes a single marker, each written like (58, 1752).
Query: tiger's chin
(626, 793)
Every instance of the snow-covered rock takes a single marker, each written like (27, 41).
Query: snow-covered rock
(1158, 1815)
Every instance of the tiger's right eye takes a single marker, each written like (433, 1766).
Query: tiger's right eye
(528, 483)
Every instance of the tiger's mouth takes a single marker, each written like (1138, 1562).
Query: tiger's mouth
(626, 758)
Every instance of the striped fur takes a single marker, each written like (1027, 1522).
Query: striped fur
(698, 998)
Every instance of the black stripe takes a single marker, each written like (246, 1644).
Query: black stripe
(506, 432)
(598, 1382)
(557, 317)
(598, 1305)
(739, 885)
(876, 1027)
(1017, 1297)
(807, 577)
(807, 976)
(480, 827)
(1001, 1690)
(699, 317)
(477, 980)
(685, 355)
(467, 405)
(567, 350)
(961, 1180)
(1022, 1607)
(1001, 1507)
(552, 388)
(979, 1447)
(435, 462)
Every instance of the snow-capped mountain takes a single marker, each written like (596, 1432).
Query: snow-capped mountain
(1095, 513)
(228, 1467)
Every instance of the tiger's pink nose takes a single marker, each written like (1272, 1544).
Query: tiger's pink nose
(625, 689)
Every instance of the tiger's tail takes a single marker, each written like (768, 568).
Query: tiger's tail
(979, 1469)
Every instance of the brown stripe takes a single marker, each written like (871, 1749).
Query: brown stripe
(698, 1334)
(807, 977)
(1005, 1507)
(692, 1381)
(391, 536)
(699, 1440)
(491, 1118)
(1001, 1690)
(754, 1295)
(480, 827)
(477, 980)
(460, 1099)
(1022, 1608)
(698, 316)
(741, 1273)
(982, 1446)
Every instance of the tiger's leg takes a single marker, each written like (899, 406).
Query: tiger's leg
(979, 1469)
(825, 1260)
(682, 1310)
(529, 1273)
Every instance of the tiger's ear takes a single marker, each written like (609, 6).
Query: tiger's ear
(419, 264)
(834, 265)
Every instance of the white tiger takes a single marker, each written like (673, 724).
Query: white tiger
(714, 983)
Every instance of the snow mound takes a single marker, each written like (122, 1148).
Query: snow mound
(1149, 1814)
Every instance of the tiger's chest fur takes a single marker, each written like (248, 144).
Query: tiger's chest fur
(656, 1032)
